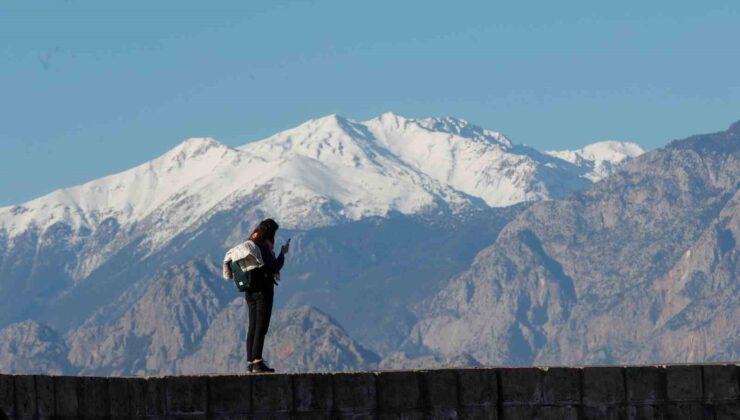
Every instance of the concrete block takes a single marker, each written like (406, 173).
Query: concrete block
(603, 412)
(312, 392)
(688, 411)
(119, 397)
(439, 388)
(565, 412)
(45, 396)
(721, 382)
(521, 385)
(449, 413)
(312, 415)
(674, 392)
(561, 386)
(272, 416)
(225, 416)
(25, 396)
(137, 396)
(67, 390)
(481, 412)
(727, 411)
(7, 395)
(603, 386)
(95, 400)
(187, 394)
(354, 392)
(646, 411)
(477, 387)
(355, 415)
(645, 384)
(155, 400)
(683, 383)
(518, 412)
(272, 394)
(398, 390)
(404, 414)
(230, 394)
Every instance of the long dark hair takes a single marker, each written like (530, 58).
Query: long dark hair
(265, 231)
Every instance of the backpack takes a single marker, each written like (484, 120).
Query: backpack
(249, 255)
(242, 279)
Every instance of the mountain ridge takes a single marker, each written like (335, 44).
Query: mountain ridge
(641, 267)
(327, 171)
(88, 204)
(98, 244)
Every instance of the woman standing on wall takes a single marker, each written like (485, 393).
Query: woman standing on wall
(261, 292)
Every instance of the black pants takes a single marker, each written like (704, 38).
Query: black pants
(260, 310)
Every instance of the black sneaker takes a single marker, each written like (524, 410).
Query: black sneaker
(260, 367)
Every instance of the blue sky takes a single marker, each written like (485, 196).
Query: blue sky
(89, 88)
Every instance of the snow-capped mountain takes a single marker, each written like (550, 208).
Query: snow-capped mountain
(473, 160)
(513, 285)
(345, 169)
(201, 195)
(600, 159)
(643, 267)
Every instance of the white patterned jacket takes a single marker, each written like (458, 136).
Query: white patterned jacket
(246, 254)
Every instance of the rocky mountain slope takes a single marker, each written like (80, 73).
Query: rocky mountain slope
(186, 321)
(300, 340)
(601, 159)
(161, 326)
(165, 318)
(28, 346)
(642, 267)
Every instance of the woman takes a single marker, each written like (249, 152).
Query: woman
(261, 291)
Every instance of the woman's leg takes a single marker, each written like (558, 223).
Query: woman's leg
(268, 313)
(264, 312)
(252, 305)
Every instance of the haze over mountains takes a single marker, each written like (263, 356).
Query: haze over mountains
(385, 215)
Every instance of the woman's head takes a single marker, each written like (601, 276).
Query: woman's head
(265, 231)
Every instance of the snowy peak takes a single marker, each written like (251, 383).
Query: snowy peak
(462, 128)
(451, 126)
(341, 163)
(614, 151)
(332, 140)
(324, 171)
(390, 119)
(610, 150)
(195, 147)
(600, 159)
(127, 196)
(444, 152)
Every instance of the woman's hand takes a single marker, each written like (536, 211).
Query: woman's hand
(285, 248)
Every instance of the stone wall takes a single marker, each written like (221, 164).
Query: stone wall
(633, 392)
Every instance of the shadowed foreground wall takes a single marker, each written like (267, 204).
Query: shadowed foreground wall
(650, 392)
